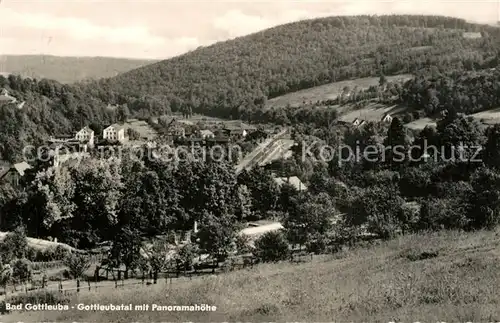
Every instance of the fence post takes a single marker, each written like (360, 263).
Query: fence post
(60, 286)
(44, 281)
(78, 285)
(88, 281)
(96, 273)
(116, 284)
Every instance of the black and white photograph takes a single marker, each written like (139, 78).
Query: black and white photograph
(249, 161)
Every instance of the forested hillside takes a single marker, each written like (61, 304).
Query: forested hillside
(245, 71)
(235, 78)
(67, 69)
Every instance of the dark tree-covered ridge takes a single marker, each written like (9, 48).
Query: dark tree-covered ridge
(220, 78)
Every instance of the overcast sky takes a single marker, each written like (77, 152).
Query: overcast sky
(164, 28)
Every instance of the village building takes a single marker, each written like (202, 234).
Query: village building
(115, 132)
(12, 173)
(387, 118)
(292, 180)
(357, 122)
(240, 130)
(207, 134)
(85, 135)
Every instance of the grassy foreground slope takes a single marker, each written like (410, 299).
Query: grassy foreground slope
(67, 69)
(446, 276)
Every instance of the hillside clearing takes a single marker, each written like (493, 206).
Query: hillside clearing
(421, 123)
(142, 127)
(449, 276)
(486, 118)
(489, 117)
(329, 91)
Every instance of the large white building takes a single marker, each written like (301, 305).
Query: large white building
(85, 135)
(115, 132)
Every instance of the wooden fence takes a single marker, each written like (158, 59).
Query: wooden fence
(118, 277)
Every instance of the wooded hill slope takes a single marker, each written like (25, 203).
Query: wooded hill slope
(67, 69)
(244, 71)
(236, 77)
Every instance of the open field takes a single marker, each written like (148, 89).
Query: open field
(40, 244)
(489, 117)
(142, 127)
(486, 118)
(445, 276)
(329, 91)
(194, 119)
(421, 123)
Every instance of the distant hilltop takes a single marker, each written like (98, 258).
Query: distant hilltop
(67, 69)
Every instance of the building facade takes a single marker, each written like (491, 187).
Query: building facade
(114, 132)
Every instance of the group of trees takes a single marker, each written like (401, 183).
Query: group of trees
(88, 202)
(462, 92)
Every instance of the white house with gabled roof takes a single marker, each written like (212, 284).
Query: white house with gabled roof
(115, 132)
(85, 135)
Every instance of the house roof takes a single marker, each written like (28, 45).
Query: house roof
(117, 126)
(206, 132)
(293, 180)
(258, 230)
(21, 167)
(86, 128)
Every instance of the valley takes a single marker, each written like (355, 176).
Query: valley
(156, 205)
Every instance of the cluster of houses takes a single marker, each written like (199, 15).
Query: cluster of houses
(387, 118)
(181, 133)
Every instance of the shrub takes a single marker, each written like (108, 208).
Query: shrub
(242, 242)
(14, 245)
(77, 264)
(31, 254)
(186, 255)
(21, 270)
(272, 246)
(317, 244)
(437, 214)
(407, 118)
(60, 253)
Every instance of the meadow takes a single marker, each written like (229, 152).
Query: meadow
(329, 91)
(142, 127)
(444, 276)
